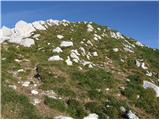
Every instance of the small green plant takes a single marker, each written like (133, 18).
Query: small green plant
(76, 109)
(56, 104)
(149, 102)
(65, 92)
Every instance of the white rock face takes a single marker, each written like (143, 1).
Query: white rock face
(55, 58)
(131, 115)
(18, 34)
(27, 42)
(66, 44)
(5, 34)
(34, 92)
(90, 28)
(115, 49)
(39, 25)
(6, 31)
(57, 50)
(91, 116)
(95, 54)
(60, 36)
(23, 28)
(147, 84)
(68, 61)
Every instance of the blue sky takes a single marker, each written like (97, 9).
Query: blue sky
(138, 20)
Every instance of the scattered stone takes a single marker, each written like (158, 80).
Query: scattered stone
(122, 109)
(149, 73)
(36, 101)
(138, 96)
(80, 68)
(131, 115)
(107, 89)
(62, 117)
(143, 66)
(89, 42)
(50, 93)
(90, 66)
(121, 60)
(55, 58)
(90, 28)
(138, 64)
(3, 58)
(95, 54)
(66, 44)
(60, 36)
(20, 70)
(57, 50)
(68, 61)
(26, 83)
(91, 116)
(13, 86)
(115, 49)
(17, 60)
(34, 92)
(83, 51)
(99, 29)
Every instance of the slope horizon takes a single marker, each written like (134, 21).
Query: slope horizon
(92, 11)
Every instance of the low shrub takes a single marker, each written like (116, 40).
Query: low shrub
(56, 104)
(76, 109)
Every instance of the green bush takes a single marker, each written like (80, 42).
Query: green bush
(132, 90)
(94, 78)
(149, 102)
(56, 104)
(76, 109)
(65, 92)
(94, 94)
(135, 79)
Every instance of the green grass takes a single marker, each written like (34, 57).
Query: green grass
(94, 78)
(76, 109)
(56, 104)
(18, 104)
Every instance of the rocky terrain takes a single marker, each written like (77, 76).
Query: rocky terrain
(62, 69)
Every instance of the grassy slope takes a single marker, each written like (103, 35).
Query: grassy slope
(80, 89)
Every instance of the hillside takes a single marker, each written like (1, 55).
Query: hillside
(62, 69)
